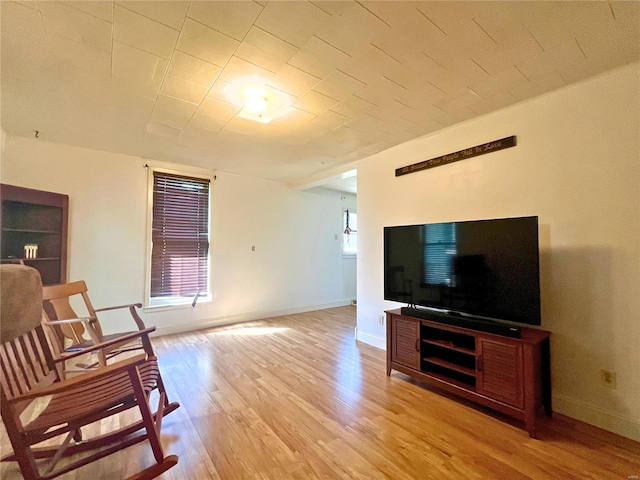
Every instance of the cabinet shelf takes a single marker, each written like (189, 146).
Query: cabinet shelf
(468, 385)
(35, 217)
(451, 366)
(30, 230)
(450, 346)
(38, 259)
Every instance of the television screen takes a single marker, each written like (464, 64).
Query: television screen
(482, 268)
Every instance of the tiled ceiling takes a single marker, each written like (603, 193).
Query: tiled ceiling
(153, 79)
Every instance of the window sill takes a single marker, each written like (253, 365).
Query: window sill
(174, 306)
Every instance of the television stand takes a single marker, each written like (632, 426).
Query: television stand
(509, 375)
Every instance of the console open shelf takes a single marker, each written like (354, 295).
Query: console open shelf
(510, 375)
(450, 345)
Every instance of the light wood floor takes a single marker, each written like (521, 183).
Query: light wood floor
(296, 397)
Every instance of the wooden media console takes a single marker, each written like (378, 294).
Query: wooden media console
(509, 375)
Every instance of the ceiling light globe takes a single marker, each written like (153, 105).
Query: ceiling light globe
(256, 104)
(256, 99)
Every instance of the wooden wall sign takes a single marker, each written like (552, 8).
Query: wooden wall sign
(460, 155)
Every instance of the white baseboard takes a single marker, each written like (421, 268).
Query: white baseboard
(371, 339)
(242, 317)
(599, 417)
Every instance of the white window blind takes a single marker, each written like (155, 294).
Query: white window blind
(440, 248)
(180, 237)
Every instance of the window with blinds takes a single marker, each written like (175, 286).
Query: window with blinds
(180, 239)
(439, 251)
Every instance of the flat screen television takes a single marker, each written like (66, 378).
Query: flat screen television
(488, 269)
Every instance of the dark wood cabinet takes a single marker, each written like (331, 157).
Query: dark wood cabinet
(500, 370)
(510, 375)
(35, 217)
(406, 343)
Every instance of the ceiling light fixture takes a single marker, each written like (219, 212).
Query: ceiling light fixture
(256, 99)
(260, 103)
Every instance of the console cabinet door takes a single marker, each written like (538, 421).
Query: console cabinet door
(405, 348)
(499, 370)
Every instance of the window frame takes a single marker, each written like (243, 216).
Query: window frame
(343, 222)
(186, 172)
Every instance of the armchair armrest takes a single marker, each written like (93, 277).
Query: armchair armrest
(78, 381)
(115, 341)
(132, 309)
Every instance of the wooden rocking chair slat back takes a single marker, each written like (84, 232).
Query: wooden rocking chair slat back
(25, 364)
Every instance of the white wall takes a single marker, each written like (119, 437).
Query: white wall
(296, 266)
(576, 166)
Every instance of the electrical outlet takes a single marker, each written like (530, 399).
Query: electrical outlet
(381, 319)
(608, 377)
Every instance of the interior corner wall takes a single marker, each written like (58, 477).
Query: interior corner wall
(296, 265)
(577, 167)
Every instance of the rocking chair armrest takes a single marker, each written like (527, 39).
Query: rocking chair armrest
(132, 309)
(71, 320)
(129, 305)
(80, 380)
(99, 346)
